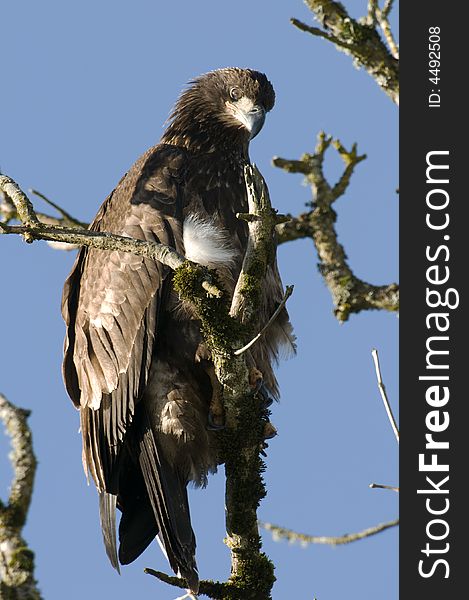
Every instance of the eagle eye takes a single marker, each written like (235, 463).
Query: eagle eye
(235, 94)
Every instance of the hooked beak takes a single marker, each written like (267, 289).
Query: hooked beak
(251, 115)
(255, 119)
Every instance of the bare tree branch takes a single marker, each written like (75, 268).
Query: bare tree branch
(281, 533)
(359, 39)
(9, 213)
(350, 294)
(16, 559)
(66, 218)
(288, 293)
(384, 396)
(381, 486)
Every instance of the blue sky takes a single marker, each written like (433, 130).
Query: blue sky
(86, 89)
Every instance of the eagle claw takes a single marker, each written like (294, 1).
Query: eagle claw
(263, 393)
(212, 425)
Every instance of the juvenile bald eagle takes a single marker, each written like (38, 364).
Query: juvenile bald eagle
(134, 361)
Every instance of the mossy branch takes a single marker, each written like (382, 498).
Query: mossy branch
(349, 293)
(213, 589)
(360, 39)
(225, 329)
(16, 559)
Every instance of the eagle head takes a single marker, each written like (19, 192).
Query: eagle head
(222, 107)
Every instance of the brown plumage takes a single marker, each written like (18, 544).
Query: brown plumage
(134, 361)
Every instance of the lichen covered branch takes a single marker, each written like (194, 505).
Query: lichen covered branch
(360, 39)
(350, 294)
(213, 589)
(16, 559)
(281, 533)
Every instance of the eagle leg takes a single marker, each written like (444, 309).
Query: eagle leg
(216, 412)
(259, 389)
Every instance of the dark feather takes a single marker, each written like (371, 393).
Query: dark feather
(107, 515)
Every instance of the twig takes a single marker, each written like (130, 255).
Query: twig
(382, 391)
(372, 9)
(319, 33)
(288, 293)
(382, 18)
(384, 487)
(387, 7)
(304, 539)
(67, 217)
(213, 589)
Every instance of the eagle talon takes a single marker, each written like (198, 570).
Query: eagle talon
(270, 431)
(263, 393)
(255, 378)
(212, 425)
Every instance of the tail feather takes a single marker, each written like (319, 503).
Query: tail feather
(107, 514)
(152, 496)
(168, 497)
(137, 529)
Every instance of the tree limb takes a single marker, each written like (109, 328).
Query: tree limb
(359, 39)
(281, 533)
(16, 559)
(252, 573)
(349, 293)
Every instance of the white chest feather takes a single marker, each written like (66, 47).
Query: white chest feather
(206, 243)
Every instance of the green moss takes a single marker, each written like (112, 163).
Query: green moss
(22, 559)
(240, 445)
(255, 575)
(244, 465)
(219, 329)
(251, 289)
(12, 518)
(345, 281)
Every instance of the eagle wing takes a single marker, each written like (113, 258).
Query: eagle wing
(111, 305)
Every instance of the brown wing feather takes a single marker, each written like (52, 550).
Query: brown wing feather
(110, 305)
